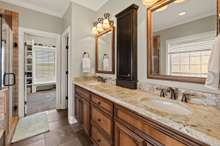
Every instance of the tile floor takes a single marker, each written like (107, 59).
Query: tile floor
(60, 134)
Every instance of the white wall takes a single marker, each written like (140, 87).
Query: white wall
(35, 20)
(81, 40)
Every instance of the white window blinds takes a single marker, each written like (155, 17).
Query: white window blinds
(190, 57)
(44, 64)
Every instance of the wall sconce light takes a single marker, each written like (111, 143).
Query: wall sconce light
(102, 24)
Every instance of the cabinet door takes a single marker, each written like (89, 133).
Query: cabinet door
(125, 137)
(86, 116)
(124, 47)
(98, 138)
(78, 109)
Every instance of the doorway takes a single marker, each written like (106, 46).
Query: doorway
(40, 73)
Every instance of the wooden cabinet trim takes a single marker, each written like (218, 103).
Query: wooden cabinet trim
(103, 104)
(98, 138)
(108, 132)
(134, 137)
(154, 125)
(82, 93)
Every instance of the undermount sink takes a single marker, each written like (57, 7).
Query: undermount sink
(167, 106)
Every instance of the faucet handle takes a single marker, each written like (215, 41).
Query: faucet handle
(173, 92)
(163, 92)
(186, 97)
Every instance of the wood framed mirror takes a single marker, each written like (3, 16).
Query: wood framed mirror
(105, 52)
(180, 36)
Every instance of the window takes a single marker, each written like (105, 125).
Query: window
(44, 64)
(190, 57)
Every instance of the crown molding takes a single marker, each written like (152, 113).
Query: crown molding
(35, 8)
(92, 8)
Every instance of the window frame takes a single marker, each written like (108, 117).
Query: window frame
(34, 63)
(202, 37)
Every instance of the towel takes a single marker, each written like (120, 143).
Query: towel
(86, 65)
(106, 64)
(213, 81)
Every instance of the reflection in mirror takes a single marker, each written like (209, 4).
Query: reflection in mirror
(183, 36)
(105, 52)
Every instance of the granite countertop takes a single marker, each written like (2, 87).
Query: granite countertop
(202, 124)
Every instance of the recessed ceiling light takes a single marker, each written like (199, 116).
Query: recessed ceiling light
(179, 1)
(182, 13)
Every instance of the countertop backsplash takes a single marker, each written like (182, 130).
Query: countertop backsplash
(202, 98)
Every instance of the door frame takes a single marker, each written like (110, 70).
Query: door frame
(67, 32)
(21, 87)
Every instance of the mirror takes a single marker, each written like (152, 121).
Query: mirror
(105, 52)
(180, 38)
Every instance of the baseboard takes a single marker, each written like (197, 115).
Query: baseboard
(72, 120)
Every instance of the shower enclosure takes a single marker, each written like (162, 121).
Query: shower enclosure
(7, 77)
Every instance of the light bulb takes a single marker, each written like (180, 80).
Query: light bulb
(179, 1)
(99, 27)
(106, 24)
(94, 30)
(148, 3)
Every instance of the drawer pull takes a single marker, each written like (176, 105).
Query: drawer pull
(99, 120)
(99, 103)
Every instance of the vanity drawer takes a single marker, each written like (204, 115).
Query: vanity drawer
(161, 133)
(103, 103)
(82, 93)
(102, 121)
(98, 138)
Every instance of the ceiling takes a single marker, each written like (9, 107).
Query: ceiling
(94, 5)
(55, 7)
(195, 9)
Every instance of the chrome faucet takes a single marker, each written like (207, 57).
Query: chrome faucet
(173, 93)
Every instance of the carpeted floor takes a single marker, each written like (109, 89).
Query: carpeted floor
(41, 101)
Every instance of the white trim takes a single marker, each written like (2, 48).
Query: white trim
(72, 120)
(22, 31)
(67, 32)
(96, 8)
(36, 8)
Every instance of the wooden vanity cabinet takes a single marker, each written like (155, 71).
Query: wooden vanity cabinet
(82, 108)
(109, 124)
(102, 120)
(152, 132)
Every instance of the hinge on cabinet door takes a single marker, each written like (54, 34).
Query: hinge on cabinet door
(66, 97)
(67, 47)
(25, 102)
(67, 72)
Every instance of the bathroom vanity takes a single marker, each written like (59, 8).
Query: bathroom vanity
(112, 115)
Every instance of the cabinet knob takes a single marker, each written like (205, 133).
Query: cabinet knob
(99, 103)
(99, 140)
(99, 120)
